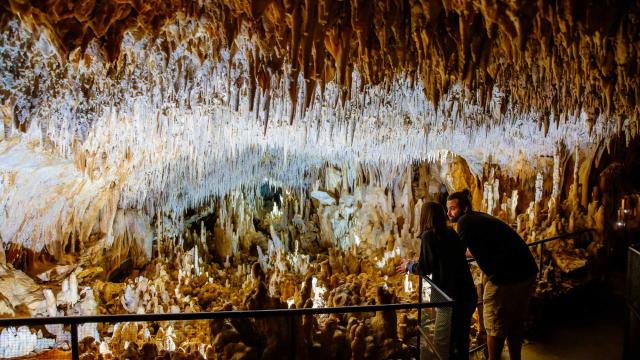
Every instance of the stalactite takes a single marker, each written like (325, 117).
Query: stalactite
(376, 40)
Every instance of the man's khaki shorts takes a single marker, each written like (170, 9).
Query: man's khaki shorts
(506, 307)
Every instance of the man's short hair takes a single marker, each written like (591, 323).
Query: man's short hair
(463, 197)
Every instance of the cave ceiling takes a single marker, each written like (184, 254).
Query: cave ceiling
(168, 93)
(552, 56)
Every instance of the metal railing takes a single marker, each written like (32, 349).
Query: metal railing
(542, 242)
(74, 321)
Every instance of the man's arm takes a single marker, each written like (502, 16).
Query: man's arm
(472, 234)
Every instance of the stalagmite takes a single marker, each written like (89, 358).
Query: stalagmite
(51, 303)
(196, 258)
(538, 188)
(17, 342)
(3, 257)
(514, 204)
(408, 285)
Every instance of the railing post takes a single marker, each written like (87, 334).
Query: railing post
(541, 266)
(419, 314)
(292, 334)
(74, 341)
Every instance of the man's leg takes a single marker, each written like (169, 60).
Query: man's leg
(481, 336)
(482, 332)
(519, 308)
(493, 306)
(494, 347)
(515, 347)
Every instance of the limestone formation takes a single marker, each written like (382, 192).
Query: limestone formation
(189, 156)
(573, 56)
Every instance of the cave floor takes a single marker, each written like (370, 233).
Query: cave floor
(585, 325)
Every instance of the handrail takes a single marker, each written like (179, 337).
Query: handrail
(534, 243)
(74, 321)
(212, 315)
(557, 237)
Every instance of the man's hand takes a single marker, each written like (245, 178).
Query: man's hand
(402, 268)
(468, 254)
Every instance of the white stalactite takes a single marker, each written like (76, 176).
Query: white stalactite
(177, 143)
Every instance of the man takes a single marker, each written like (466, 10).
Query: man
(509, 270)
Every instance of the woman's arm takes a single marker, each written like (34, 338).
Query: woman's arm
(424, 264)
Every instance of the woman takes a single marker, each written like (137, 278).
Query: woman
(443, 256)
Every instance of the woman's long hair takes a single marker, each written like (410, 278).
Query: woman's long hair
(433, 218)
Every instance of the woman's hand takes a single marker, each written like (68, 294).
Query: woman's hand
(402, 268)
